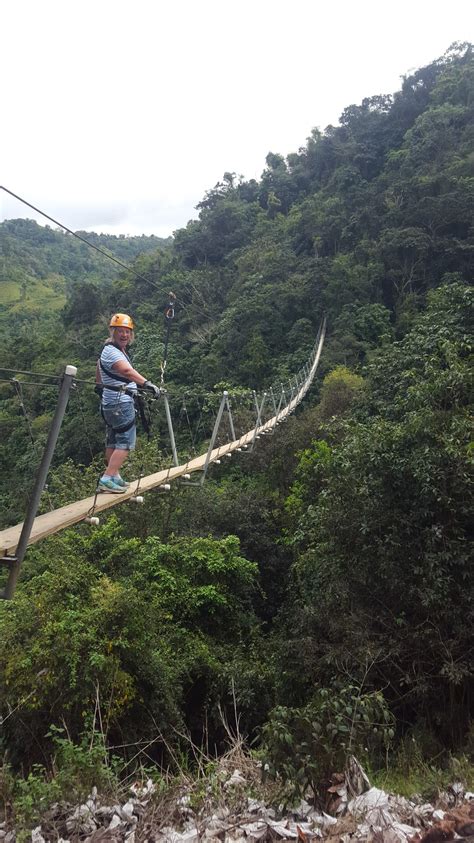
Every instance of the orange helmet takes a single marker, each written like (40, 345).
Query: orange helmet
(121, 320)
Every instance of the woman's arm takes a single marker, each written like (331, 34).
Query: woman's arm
(123, 368)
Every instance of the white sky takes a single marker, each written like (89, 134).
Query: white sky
(118, 116)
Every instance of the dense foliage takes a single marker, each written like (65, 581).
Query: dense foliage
(380, 519)
(324, 590)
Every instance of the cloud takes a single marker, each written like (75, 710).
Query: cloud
(124, 216)
(121, 119)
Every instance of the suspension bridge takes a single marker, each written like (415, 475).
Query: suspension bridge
(15, 540)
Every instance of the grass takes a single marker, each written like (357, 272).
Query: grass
(427, 778)
(33, 295)
(199, 783)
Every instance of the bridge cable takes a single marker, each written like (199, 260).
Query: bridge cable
(183, 413)
(17, 385)
(33, 374)
(85, 427)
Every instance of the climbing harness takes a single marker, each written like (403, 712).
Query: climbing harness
(141, 407)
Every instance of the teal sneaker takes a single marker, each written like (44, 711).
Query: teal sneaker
(110, 485)
(119, 481)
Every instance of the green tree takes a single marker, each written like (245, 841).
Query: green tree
(384, 574)
(146, 626)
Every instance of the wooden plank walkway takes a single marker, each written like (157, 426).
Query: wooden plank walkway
(73, 513)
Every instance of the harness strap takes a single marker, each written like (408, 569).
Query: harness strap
(139, 403)
(99, 388)
(122, 428)
(109, 372)
(113, 375)
(143, 410)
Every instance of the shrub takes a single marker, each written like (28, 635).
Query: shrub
(304, 745)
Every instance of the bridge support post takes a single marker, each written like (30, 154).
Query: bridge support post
(41, 476)
(214, 436)
(231, 421)
(277, 409)
(272, 396)
(258, 423)
(170, 429)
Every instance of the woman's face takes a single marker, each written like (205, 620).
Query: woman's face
(122, 336)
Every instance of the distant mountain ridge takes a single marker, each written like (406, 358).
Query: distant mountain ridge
(40, 263)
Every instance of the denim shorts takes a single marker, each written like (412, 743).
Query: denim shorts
(118, 415)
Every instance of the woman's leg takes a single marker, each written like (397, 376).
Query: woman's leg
(118, 443)
(116, 460)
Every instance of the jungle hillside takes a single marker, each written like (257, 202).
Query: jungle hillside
(317, 598)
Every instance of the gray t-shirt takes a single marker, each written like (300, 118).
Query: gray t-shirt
(110, 355)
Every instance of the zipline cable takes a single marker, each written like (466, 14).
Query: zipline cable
(169, 316)
(192, 304)
(98, 249)
(169, 312)
(83, 239)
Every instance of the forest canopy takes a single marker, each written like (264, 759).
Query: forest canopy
(334, 566)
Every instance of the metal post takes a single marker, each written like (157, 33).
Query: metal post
(260, 415)
(307, 373)
(304, 378)
(231, 421)
(292, 396)
(170, 429)
(255, 399)
(41, 476)
(214, 435)
(277, 414)
(283, 397)
(215, 431)
(275, 411)
(258, 423)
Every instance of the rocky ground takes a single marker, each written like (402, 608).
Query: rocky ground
(219, 807)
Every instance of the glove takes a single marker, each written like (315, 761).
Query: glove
(155, 390)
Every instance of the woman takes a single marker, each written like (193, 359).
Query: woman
(118, 381)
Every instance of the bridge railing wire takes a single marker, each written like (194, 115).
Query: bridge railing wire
(28, 400)
(26, 409)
